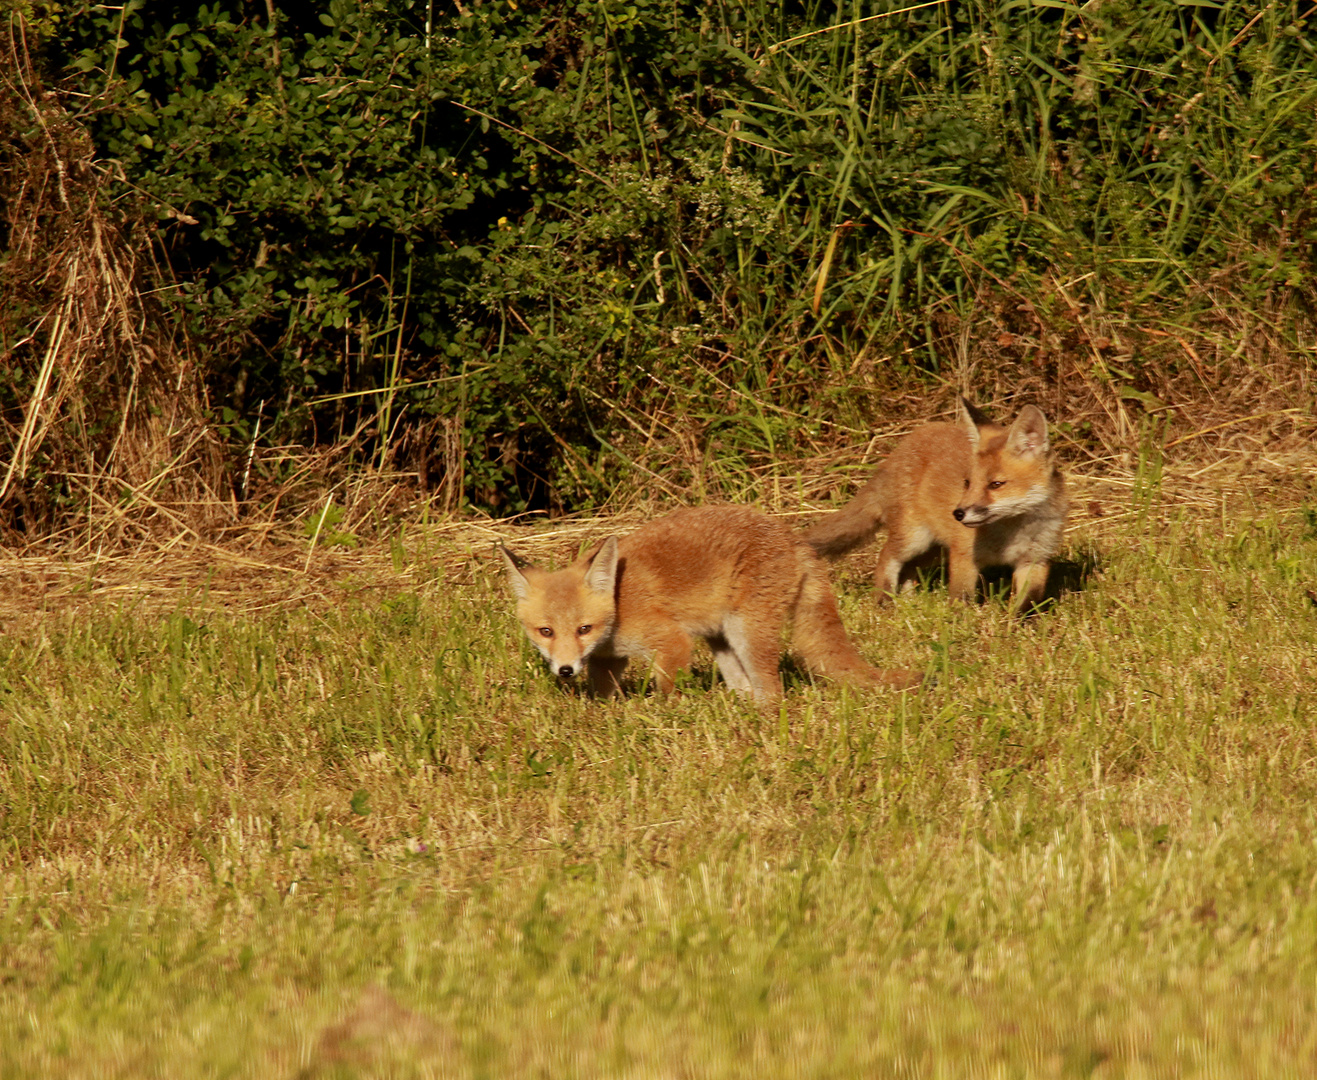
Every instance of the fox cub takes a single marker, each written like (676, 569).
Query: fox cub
(726, 574)
(989, 495)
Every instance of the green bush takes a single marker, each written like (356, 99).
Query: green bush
(536, 222)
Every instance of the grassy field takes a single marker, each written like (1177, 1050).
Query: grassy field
(274, 814)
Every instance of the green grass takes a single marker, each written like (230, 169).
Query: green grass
(369, 836)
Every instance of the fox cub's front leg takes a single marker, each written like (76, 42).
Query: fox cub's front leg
(606, 674)
(1029, 585)
(672, 650)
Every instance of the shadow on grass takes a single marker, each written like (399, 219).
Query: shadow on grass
(1067, 575)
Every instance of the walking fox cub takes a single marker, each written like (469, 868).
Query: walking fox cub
(989, 495)
(727, 574)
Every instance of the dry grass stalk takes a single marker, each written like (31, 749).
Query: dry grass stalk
(112, 404)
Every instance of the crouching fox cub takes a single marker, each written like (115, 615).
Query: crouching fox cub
(989, 495)
(726, 574)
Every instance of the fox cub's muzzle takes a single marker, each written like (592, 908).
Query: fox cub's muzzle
(566, 671)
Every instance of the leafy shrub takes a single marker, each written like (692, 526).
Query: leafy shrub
(538, 228)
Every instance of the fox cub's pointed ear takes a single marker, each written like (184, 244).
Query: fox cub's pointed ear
(602, 573)
(515, 564)
(970, 418)
(976, 416)
(1028, 434)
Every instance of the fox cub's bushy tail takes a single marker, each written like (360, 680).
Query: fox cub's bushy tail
(853, 526)
(819, 639)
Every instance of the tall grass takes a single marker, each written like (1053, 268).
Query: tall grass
(981, 145)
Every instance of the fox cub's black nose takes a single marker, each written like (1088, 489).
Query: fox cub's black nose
(958, 513)
(565, 671)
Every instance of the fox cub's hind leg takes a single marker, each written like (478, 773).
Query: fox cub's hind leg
(903, 545)
(729, 665)
(887, 573)
(755, 646)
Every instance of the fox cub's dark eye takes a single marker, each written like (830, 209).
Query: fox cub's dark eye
(996, 484)
(581, 631)
(546, 631)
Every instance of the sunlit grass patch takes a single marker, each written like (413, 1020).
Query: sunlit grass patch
(365, 832)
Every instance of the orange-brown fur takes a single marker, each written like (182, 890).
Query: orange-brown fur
(727, 574)
(989, 495)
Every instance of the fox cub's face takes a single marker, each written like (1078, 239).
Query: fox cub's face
(566, 613)
(1010, 474)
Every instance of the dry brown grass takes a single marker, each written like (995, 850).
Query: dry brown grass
(266, 565)
(113, 420)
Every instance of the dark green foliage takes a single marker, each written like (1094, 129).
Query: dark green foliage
(519, 227)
